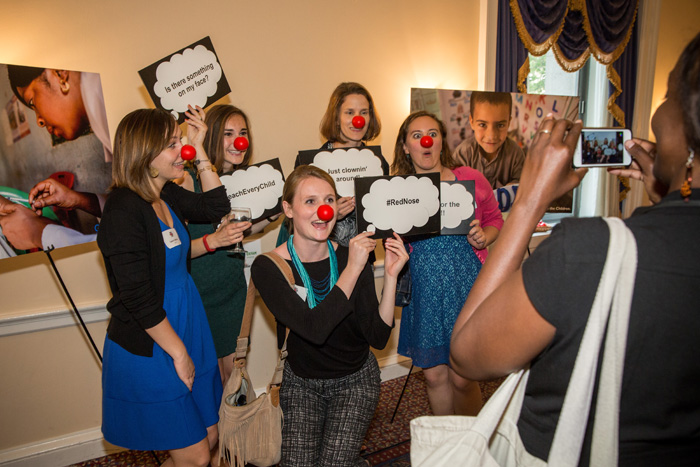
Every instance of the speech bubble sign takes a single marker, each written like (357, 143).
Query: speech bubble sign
(405, 204)
(258, 187)
(191, 76)
(346, 164)
(457, 206)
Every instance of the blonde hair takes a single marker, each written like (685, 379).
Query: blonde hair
(140, 137)
(291, 185)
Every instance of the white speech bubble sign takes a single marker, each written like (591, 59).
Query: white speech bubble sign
(400, 204)
(344, 165)
(187, 78)
(258, 188)
(457, 204)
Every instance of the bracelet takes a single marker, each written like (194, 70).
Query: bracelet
(199, 161)
(211, 167)
(206, 245)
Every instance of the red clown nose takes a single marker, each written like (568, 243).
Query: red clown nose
(358, 121)
(188, 152)
(426, 141)
(325, 212)
(240, 143)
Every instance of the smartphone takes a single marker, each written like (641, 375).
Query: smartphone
(602, 147)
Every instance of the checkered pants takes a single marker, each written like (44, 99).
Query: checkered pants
(325, 420)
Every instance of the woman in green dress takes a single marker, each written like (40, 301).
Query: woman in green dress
(217, 273)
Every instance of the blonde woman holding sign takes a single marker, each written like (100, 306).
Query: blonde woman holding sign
(331, 378)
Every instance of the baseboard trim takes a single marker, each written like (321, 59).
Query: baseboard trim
(66, 450)
(394, 366)
(89, 444)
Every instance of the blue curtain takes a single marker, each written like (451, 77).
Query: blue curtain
(511, 54)
(575, 29)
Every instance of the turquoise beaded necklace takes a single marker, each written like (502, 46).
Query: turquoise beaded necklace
(316, 290)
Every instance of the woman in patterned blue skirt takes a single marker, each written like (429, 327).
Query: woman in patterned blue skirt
(443, 268)
(160, 380)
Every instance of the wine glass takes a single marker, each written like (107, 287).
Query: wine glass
(238, 215)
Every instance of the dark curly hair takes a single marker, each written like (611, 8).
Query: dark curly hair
(689, 89)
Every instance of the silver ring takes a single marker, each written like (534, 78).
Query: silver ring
(546, 131)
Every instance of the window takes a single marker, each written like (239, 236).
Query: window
(590, 83)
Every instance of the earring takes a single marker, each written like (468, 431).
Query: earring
(686, 189)
(153, 172)
(408, 156)
(65, 86)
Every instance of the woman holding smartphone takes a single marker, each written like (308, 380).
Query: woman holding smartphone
(534, 313)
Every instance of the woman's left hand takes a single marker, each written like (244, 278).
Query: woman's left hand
(345, 206)
(395, 256)
(476, 236)
(196, 128)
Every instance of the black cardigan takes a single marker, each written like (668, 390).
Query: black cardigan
(131, 243)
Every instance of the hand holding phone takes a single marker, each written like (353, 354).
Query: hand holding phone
(602, 147)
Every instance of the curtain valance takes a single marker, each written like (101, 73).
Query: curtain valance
(575, 30)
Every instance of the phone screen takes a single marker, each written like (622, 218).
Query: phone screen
(602, 147)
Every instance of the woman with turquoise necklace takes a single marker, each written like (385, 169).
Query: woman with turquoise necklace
(331, 379)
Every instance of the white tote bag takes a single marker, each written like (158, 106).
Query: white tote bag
(492, 437)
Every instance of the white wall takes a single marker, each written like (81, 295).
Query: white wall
(282, 60)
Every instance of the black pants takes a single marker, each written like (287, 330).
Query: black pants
(326, 420)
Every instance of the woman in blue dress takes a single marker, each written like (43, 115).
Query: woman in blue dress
(160, 379)
(443, 267)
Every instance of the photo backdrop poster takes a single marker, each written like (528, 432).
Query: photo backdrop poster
(191, 76)
(345, 164)
(405, 204)
(527, 112)
(258, 187)
(53, 130)
(452, 107)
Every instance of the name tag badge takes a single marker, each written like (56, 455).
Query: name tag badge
(170, 238)
(301, 291)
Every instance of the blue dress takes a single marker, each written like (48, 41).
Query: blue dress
(443, 270)
(145, 405)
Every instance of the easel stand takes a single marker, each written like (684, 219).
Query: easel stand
(80, 318)
(72, 304)
(401, 395)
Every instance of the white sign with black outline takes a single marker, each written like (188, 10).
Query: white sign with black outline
(258, 187)
(457, 206)
(346, 164)
(405, 204)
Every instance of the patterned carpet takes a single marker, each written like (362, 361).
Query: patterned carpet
(387, 444)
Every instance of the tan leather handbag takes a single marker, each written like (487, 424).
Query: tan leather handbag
(250, 427)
